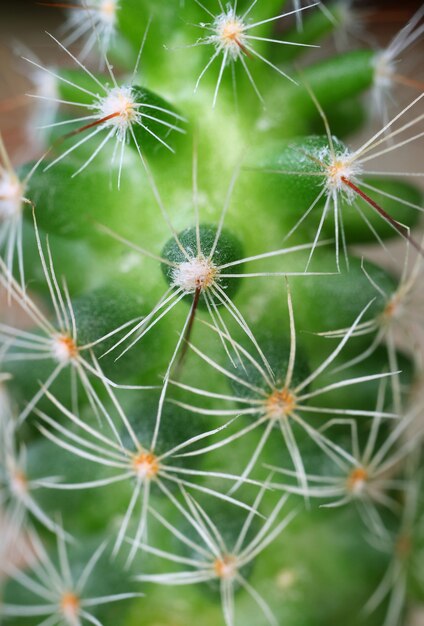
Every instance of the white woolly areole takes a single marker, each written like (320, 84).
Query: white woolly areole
(102, 12)
(357, 481)
(107, 12)
(229, 34)
(94, 21)
(10, 196)
(394, 309)
(143, 471)
(70, 608)
(46, 85)
(119, 100)
(44, 106)
(280, 404)
(384, 68)
(225, 566)
(358, 487)
(197, 273)
(18, 483)
(64, 349)
(5, 405)
(145, 465)
(337, 168)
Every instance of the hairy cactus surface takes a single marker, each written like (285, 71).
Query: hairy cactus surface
(210, 402)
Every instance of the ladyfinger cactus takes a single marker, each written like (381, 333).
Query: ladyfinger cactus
(209, 392)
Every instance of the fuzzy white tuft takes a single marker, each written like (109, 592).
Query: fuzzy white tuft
(119, 100)
(10, 196)
(338, 169)
(225, 567)
(197, 273)
(145, 465)
(229, 34)
(64, 349)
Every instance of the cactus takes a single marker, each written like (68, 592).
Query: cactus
(208, 407)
